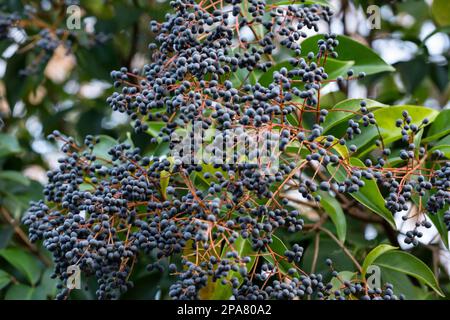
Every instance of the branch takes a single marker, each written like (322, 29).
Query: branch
(342, 246)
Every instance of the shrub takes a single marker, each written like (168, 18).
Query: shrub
(231, 225)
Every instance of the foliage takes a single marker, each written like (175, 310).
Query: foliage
(346, 165)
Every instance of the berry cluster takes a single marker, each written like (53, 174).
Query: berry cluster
(101, 213)
(105, 211)
(197, 50)
(309, 285)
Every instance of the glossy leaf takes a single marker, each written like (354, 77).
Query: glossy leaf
(437, 219)
(280, 248)
(407, 263)
(15, 177)
(340, 150)
(402, 284)
(154, 127)
(365, 59)
(8, 145)
(164, 182)
(5, 279)
(440, 10)
(444, 141)
(439, 223)
(345, 110)
(47, 287)
(373, 255)
(24, 262)
(337, 282)
(334, 210)
(369, 195)
(440, 127)
(103, 146)
(386, 118)
(321, 2)
(165, 178)
(445, 149)
(413, 80)
(19, 292)
(244, 248)
(333, 68)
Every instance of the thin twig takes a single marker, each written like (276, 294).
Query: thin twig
(342, 246)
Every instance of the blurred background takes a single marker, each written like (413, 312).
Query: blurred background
(48, 85)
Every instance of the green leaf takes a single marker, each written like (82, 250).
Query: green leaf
(8, 145)
(439, 223)
(445, 149)
(333, 208)
(333, 68)
(365, 59)
(243, 76)
(24, 262)
(439, 74)
(287, 2)
(47, 287)
(337, 282)
(12, 204)
(329, 249)
(129, 140)
(165, 178)
(154, 127)
(339, 149)
(280, 248)
(5, 279)
(409, 264)
(267, 77)
(373, 255)
(402, 284)
(101, 9)
(412, 80)
(440, 127)
(437, 219)
(444, 141)
(440, 9)
(164, 182)
(103, 146)
(369, 195)
(244, 248)
(330, 99)
(14, 176)
(16, 198)
(18, 86)
(386, 118)
(348, 107)
(6, 234)
(19, 292)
